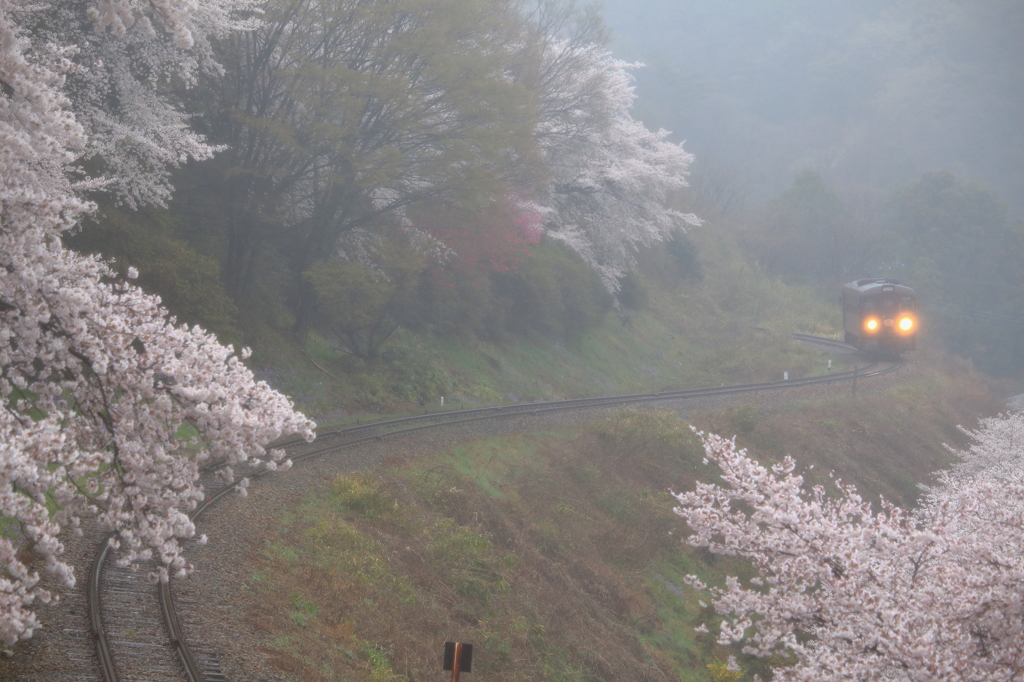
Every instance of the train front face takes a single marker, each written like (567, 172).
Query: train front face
(881, 315)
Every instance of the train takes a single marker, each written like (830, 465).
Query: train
(880, 315)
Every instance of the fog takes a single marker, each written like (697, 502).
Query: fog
(867, 93)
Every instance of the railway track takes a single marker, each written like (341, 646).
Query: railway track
(134, 643)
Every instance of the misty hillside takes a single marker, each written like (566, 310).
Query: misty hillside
(867, 93)
(220, 220)
(840, 141)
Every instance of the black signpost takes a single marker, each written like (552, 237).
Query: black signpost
(458, 658)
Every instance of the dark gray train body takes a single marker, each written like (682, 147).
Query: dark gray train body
(880, 315)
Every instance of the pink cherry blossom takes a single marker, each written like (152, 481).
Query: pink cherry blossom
(854, 592)
(110, 406)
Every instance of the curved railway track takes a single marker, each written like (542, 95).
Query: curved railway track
(153, 648)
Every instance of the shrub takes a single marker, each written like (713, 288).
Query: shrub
(363, 496)
(559, 293)
(722, 672)
(634, 430)
(684, 255)
(552, 292)
(186, 280)
(456, 303)
(632, 292)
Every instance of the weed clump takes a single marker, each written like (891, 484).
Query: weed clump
(638, 433)
(359, 494)
(723, 672)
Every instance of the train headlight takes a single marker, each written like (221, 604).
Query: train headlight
(872, 324)
(906, 324)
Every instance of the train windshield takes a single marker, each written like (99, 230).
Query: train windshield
(888, 306)
(906, 304)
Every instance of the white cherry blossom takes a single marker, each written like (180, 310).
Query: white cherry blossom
(109, 407)
(854, 592)
(129, 57)
(611, 178)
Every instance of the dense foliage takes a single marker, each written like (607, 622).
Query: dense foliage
(955, 242)
(339, 116)
(464, 130)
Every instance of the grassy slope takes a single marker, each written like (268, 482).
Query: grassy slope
(553, 552)
(556, 553)
(694, 333)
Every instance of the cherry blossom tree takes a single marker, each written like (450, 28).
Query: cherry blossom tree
(496, 239)
(850, 592)
(109, 406)
(129, 58)
(611, 178)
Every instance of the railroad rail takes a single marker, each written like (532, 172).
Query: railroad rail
(203, 668)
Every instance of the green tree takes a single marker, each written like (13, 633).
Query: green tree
(954, 237)
(359, 300)
(809, 234)
(339, 115)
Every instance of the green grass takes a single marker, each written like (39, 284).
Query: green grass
(556, 553)
(734, 326)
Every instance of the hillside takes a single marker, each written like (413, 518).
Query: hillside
(553, 551)
(529, 544)
(733, 325)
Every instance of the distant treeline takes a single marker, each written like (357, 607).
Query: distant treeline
(948, 239)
